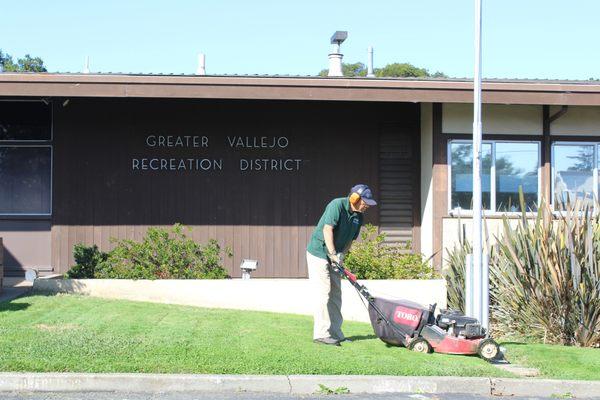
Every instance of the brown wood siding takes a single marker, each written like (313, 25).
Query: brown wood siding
(268, 216)
(399, 176)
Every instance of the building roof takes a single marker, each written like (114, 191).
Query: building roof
(499, 91)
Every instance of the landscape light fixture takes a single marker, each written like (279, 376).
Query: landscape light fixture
(31, 275)
(247, 266)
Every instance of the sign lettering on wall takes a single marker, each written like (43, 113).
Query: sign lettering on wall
(192, 142)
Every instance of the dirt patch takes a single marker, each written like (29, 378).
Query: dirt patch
(56, 327)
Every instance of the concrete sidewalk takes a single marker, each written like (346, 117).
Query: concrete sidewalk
(293, 384)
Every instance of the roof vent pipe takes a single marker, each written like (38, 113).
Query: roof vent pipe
(201, 64)
(86, 66)
(370, 73)
(335, 57)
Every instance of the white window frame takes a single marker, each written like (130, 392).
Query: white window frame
(6, 144)
(492, 211)
(596, 145)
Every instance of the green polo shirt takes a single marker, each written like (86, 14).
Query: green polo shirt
(346, 226)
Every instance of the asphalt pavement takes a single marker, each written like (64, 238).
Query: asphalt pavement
(247, 396)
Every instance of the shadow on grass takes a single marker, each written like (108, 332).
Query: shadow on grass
(357, 338)
(10, 306)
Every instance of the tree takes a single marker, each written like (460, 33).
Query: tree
(25, 64)
(356, 69)
(394, 70)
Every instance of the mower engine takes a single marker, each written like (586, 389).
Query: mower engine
(458, 324)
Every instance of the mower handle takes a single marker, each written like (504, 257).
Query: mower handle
(351, 277)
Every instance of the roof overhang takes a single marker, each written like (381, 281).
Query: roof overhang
(296, 88)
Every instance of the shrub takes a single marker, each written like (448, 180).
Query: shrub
(164, 254)
(544, 277)
(372, 258)
(454, 273)
(87, 259)
(548, 276)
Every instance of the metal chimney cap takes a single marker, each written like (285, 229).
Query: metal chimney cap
(339, 36)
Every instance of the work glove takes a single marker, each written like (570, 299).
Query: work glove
(335, 258)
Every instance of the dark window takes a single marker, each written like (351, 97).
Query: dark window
(25, 179)
(25, 120)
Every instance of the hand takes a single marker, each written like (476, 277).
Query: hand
(334, 258)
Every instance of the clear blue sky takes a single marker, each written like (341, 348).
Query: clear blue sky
(522, 39)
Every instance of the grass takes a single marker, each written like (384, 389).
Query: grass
(560, 362)
(82, 334)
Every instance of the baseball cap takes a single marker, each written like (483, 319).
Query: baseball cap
(365, 194)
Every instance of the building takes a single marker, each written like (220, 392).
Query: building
(252, 161)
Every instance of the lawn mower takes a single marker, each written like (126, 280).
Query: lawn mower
(405, 323)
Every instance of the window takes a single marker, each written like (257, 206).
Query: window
(25, 180)
(574, 172)
(25, 158)
(25, 121)
(461, 155)
(506, 168)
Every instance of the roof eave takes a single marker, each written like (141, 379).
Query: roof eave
(294, 88)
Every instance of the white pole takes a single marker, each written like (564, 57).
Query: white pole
(477, 242)
(469, 285)
(370, 73)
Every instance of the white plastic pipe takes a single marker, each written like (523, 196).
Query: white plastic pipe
(370, 73)
(201, 64)
(469, 285)
(485, 293)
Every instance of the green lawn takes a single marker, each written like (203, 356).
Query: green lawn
(82, 334)
(560, 362)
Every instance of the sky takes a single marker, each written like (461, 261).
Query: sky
(549, 39)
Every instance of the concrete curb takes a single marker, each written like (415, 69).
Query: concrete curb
(545, 388)
(293, 384)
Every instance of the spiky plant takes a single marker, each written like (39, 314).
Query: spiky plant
(546, 277)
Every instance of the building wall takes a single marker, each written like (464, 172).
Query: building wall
(583, 121)
(268, 216)
(27, 244)
(496, 119)
(544, 124)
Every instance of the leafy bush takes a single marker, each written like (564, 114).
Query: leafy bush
(87, 259)
(544, 277)
(163, 254)
(372, 258)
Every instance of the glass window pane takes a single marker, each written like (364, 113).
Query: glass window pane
(516, 167)
(462, 175)
(25, 180)
(573, 173)
(25, 120)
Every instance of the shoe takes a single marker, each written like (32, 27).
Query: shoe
(345, 340)
(327, 340)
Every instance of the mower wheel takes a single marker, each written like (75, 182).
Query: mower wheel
(488, 349)
(420, 345)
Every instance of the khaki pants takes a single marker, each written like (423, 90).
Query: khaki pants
(327, 296)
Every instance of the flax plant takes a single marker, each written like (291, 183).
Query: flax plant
(544, 276)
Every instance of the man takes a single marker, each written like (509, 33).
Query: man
(338, 227)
